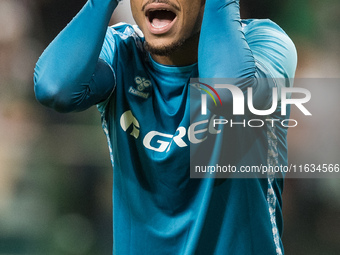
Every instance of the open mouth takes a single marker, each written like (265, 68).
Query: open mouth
(160, 17)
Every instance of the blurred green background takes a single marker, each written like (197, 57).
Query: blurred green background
(55, 172)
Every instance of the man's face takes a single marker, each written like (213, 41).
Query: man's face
(167, 24)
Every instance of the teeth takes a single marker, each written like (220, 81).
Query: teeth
(159, 26)
(161, 18)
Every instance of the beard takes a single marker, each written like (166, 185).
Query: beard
(168, 50)
(164, 50)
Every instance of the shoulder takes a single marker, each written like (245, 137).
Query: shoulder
(124, 31)
(251, 25)
(271, 47)
(265, 30)
(121, 37)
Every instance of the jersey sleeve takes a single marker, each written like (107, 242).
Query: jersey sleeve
(275, 59)
(271, 48)
(254, 54)
(69, 75)
(116, 41)
(107, 55)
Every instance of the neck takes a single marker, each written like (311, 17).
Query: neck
(183, 56)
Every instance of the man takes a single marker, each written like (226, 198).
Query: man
(139, 78)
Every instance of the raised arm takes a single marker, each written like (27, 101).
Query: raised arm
(69, 76)
(258, 50)
(223, 50)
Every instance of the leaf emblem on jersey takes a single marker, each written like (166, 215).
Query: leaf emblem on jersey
(126, 120)
(142, 83)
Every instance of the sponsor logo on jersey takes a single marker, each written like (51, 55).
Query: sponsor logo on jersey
(161, 142)
(127, 120)
(141, 84)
